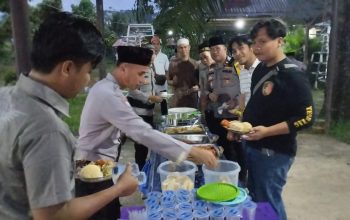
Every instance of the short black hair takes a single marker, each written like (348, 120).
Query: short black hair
(240, 40)
(63, 36)
(274, 27)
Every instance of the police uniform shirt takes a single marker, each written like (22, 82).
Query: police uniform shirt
(283, 97)
(106, 114)
(224, 82)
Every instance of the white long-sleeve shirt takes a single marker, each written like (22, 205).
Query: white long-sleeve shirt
(106, 114)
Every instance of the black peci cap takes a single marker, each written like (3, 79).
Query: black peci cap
(135, 55)
(203, 47)
(216, 40)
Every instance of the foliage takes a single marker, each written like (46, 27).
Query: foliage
(75, 109)
(10, 78)
(186, 18)
(341, 131)
(42, 11)
(295, 41)
(85, 9)
(144, 10)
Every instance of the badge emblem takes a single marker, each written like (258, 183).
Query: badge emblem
(267, 88)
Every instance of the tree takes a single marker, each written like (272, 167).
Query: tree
(39, 13)
(185, 18)
(338, 80)
(308, 12)
(85, 9)
(100, 26)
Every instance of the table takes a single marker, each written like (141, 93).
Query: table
(264, 211)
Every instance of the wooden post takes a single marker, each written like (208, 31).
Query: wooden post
(20, 32)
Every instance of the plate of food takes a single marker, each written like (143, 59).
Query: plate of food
(237, 127)
(96, 171)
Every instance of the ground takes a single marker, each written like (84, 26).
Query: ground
(318, 182)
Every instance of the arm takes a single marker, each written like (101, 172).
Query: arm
(84, 207)
(171, 74)
(117, 112)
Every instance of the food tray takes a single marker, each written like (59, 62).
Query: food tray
(187, 129)
(192, 138)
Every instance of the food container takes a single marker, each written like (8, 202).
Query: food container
(182, 116)
(175, 176)
(187, 129)
(192, 138)
(226, 172)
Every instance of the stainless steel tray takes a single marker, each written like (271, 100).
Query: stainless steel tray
(192, 138)
(187, 129)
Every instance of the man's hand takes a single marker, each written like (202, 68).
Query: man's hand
(213, 97)
(195, 88)
(202, 156)
(155, 99)
(127, 183)
(257, 133)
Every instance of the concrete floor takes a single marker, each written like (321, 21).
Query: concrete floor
(318, 185)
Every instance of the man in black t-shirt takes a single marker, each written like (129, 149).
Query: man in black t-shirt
(280, 105)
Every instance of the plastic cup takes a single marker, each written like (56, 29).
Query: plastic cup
(151, 202)
(155, 208)
(185, 207)
(194, 194)
(217, 214)
(154, 216)
(185, 216)
(183, 196)
(201, 215)
(200, 205)
(249, 209)
(214, 206)
(170, 193)
(169, 214)
(154, 195)
(233, 214)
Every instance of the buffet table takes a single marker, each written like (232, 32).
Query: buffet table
(264, 211)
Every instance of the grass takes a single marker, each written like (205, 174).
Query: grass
(341, 131)
(75, 108)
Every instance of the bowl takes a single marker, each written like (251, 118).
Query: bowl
(225, 172)
(174, 176)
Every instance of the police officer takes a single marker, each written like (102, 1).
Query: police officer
(107, 113)
(222, 94)
(203, 69)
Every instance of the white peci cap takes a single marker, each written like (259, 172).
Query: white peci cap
(183, 41)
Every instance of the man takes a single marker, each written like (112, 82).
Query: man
(242, 51)
(204, 67)
(160, 66)
(143, 101)
(107, 113)
(36, 167)
(280, 105)
(182, 77)
(221, 95)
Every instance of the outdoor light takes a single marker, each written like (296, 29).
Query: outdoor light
(239, 24)
(170, 32)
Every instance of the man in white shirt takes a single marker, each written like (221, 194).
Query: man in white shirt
(160, 66)
(243, 53)
(107, 113)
